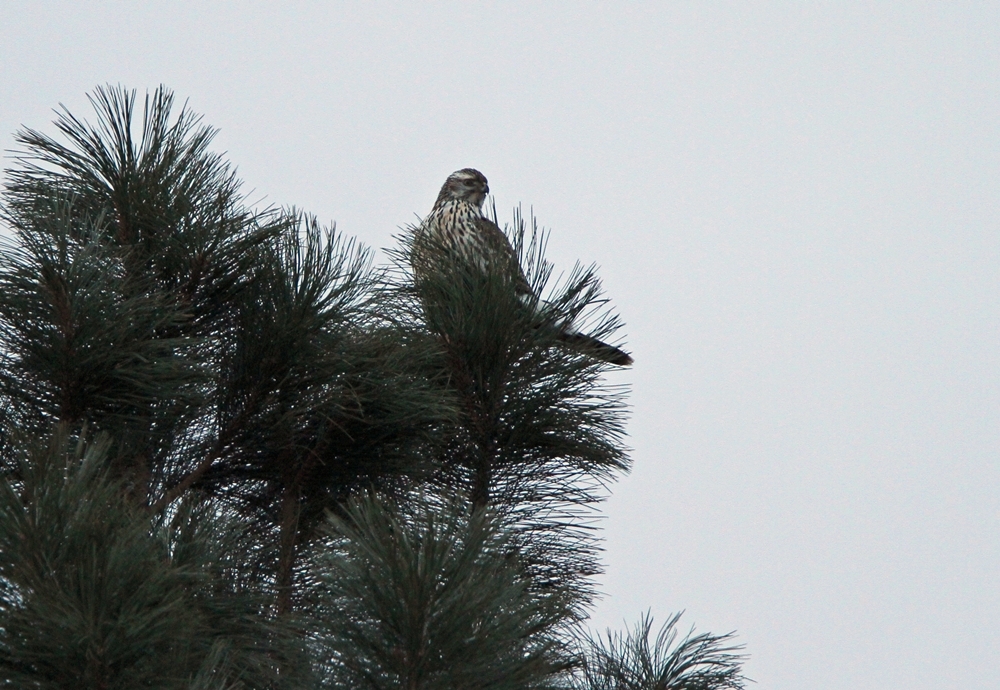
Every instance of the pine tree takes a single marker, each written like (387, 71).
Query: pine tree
(236, 454)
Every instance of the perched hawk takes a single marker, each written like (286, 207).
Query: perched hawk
(456, 229)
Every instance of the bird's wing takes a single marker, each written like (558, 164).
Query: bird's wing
(500, 246)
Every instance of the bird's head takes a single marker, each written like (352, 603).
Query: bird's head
(465, 185)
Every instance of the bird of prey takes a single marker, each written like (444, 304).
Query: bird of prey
(457, 230)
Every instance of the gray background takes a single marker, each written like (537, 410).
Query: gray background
(794, 207)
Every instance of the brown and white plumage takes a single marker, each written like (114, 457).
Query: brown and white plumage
(456, 230)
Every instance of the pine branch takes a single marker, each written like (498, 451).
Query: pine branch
(95, 594)
(429, 598)
(636, 661)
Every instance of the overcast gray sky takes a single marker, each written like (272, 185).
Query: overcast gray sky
(794, 207)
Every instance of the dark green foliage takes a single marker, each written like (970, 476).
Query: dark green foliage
(124, 259)
(76, 345)
(171, 206)
(432, 599)
(310, 471)
(636, 661)
(316, 397)
(94, 594)
(227, 352)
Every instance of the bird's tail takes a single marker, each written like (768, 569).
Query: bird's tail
(598, 349)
